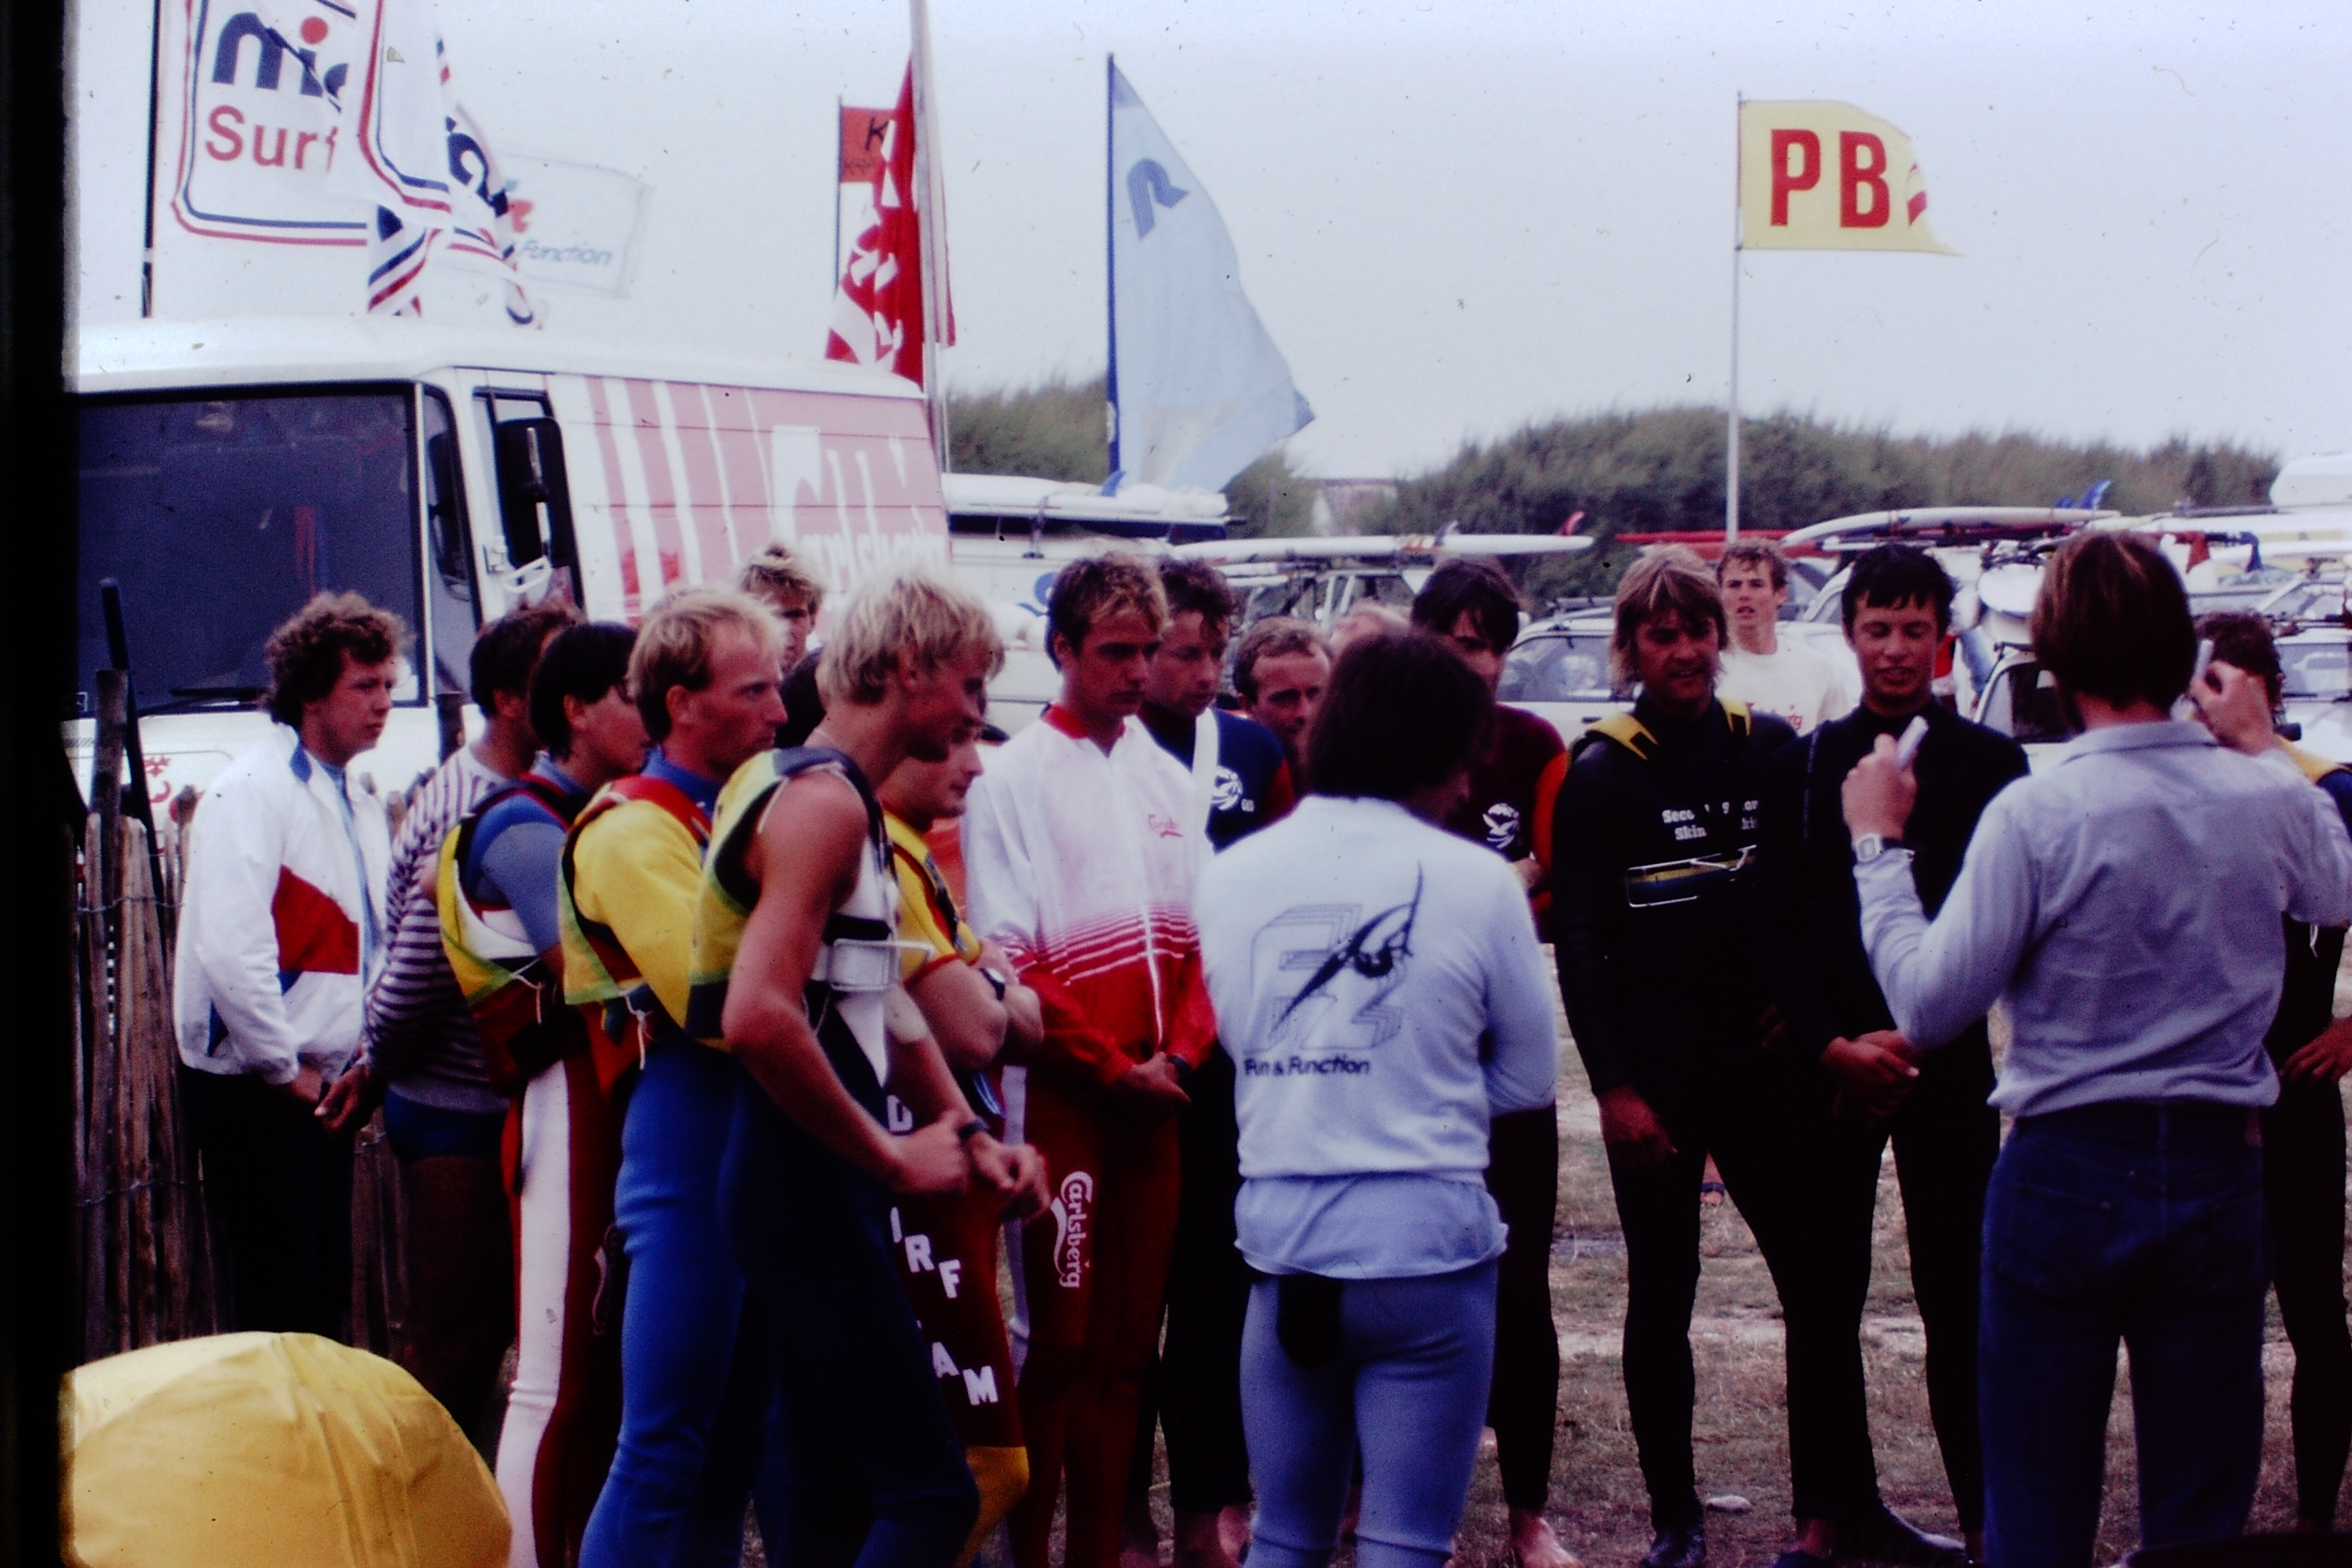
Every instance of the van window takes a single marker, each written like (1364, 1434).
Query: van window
(1570, 668)
(221, 516)
(449, 549)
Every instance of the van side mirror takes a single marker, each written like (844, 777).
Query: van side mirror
(529, 454)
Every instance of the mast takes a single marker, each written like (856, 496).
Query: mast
(931, 210)
(1110, 264)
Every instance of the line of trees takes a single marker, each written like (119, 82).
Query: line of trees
(1059, 430)
(1658, 470)
(1662, 470)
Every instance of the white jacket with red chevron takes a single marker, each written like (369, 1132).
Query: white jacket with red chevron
(1081, 864)
(282, 909)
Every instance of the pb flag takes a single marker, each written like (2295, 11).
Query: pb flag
(1826, 176)
(1197, 389)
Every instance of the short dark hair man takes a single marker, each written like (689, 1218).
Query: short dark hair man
(501, 929)
(2303, 1137)
(1654, 840)
(1239, 773)
(1897, 608)
(1473, 607)
(1240, 781)
(1081, 845)
(423, 1064)
(281, 927)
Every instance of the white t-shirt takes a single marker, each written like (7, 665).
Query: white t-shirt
(1795, 682)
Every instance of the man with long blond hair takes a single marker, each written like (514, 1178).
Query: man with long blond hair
(1654, 837)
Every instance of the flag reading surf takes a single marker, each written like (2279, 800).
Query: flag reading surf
(328, 123)
(1198, 390)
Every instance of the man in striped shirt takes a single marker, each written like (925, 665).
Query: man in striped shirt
(422, 1062)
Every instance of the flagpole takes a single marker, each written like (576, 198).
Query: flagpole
(841, 151)
(154, 114)
(931, 213)
(1731, 475)
(1110, 264)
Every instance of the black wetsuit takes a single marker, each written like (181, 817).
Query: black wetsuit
(1653, 866)
(1946, 1137)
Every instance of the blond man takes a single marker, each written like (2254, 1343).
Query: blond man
(704, 672)
(778, 579)
(797, 965)
(1772, 675)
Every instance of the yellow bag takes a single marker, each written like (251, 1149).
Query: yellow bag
(271, 1451)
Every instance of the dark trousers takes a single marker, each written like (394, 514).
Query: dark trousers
(1766, 1127)
(278, 1185)
(1945, 1139)
(1194, 1390)
(2302, 1196)
(1523, 1405)
(871, 1473)
(2133, 1222)
(460, 1254)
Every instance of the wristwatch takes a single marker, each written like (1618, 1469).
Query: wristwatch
(996, 980)
(1871, 845)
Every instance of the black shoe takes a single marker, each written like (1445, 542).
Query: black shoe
(1885, 1536)
(1678, 1546)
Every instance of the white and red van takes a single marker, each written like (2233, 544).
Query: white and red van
(231, 470)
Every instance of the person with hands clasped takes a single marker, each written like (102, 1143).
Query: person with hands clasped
(796, 961)
(1081, 845)
(2124, 907)
(1898, 604)
(1653, 842)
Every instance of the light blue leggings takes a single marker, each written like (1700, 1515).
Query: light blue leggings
(1408, 1388)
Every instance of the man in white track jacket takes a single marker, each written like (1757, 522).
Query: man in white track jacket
(281, 927)
(1081, 843)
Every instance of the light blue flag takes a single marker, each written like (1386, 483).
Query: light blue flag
(1197, 389)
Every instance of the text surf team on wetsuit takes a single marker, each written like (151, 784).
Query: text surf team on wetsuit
(820, 1041)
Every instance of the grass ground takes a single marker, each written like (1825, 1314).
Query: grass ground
(1599, 1506)
(1741, 1433)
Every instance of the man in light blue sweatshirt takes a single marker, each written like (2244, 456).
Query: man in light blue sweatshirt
(1379, 987)
(2124, 907)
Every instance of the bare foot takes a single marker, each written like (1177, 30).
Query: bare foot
(1201, 1540)
(1234, 1532)
(1533, 1543)
(1139, 1537)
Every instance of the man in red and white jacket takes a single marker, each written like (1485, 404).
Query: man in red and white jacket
(281, 927)
(1081, 843)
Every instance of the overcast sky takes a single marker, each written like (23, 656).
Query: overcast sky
(1456, 217)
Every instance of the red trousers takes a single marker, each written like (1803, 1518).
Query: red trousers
(1094, 1273)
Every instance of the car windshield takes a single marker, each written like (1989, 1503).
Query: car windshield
(1564, 667)
(221, 517)
(2023, 703)
(2316, 670)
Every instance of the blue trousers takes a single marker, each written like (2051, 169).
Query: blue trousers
(2141, 1223)
(870, 1471)
(1408, 1388)
(695, 1394)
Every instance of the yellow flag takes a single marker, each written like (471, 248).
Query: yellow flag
(1826, 176)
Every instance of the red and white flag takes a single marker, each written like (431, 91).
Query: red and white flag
(877, 310)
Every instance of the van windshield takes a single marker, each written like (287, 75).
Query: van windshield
(222, 516)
